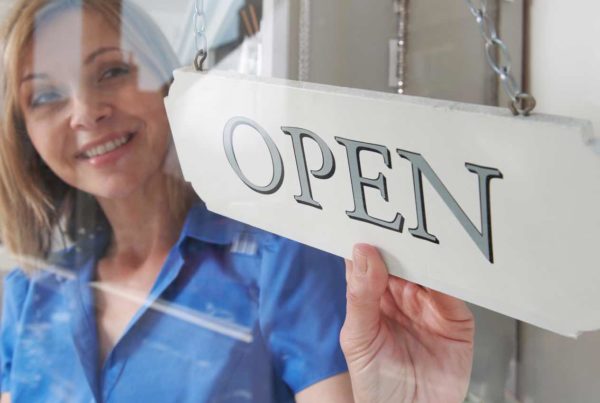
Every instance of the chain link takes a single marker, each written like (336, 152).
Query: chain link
(200, 35)
(401, 11)
(486, 27)
(496, 52)
(498, 58)
(477, 7)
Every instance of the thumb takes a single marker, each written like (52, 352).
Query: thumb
(367, 280)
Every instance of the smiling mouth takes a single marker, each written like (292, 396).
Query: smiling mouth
(107, 147)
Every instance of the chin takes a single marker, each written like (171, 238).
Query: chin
(115, 190)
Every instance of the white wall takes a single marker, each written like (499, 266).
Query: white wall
(565, 57)
(564, 77)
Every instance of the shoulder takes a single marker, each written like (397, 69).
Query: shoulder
(16, 284)
(61, 266)
(282, 258)
(284, 253)
(289, 268)
(19, 284)
(14, 294)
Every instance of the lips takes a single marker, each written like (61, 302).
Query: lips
(103, 147)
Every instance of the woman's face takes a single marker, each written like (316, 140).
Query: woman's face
(93, 112)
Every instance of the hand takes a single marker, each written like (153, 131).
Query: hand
(403, 342)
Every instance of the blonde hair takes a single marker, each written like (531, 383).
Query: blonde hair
(34, 202)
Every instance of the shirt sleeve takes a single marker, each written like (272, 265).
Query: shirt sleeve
(14, 292)
(302, 309)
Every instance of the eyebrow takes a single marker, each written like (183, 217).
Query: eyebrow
(101, 51)
(34, 76)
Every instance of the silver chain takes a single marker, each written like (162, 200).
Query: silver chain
(304, 41)
(497, 56)
(200, 35)
(401, 11)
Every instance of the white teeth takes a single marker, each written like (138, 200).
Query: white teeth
(106, 147)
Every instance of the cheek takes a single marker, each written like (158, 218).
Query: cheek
(156, 118)
(164, 127)
(154, 105)
(41, 145)
(49, 147)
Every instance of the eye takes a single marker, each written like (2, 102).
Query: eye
(45, 97)
(115, 71)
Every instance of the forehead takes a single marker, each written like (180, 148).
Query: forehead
(66, 38)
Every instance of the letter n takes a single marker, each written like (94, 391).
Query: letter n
(483, 238)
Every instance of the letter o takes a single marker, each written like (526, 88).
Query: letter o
(277, 179)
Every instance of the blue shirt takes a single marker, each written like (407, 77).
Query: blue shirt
(236, 314)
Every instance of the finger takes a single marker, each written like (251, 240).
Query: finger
(390, 309)
(448, 307)
(367, 281)
(408, 297)
(412, 298)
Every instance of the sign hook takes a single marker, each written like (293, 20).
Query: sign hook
(498, 58)
(200, 35)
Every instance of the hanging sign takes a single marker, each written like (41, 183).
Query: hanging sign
(500, 211)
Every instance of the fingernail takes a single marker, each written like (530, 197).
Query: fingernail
(360, 261)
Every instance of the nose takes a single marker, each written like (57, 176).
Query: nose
(88, 111)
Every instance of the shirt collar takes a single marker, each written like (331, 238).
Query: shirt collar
(200, 224)
(209, 227)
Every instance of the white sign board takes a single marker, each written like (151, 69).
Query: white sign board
(500, 211)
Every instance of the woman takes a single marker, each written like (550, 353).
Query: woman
(145, 295)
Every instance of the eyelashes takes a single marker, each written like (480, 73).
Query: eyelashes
(114, 72)
(45, 97)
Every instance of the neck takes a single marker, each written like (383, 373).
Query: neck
(143, 226)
